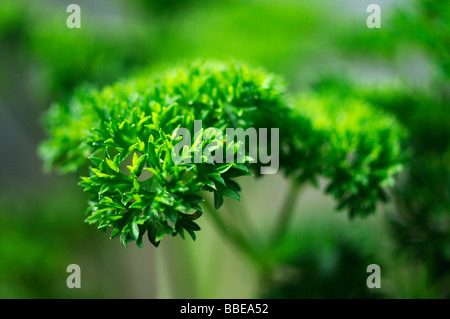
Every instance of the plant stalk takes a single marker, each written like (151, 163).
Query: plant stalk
(234, 236)
(286, 212)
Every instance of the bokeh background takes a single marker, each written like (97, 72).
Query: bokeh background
(313, 44)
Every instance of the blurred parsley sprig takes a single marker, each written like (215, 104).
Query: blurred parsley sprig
(124, 133)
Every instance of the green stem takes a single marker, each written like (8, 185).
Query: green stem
(242, 216)
(234, 236)
(286, 212)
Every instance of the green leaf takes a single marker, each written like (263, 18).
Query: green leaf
(134, 230)
(218, 199)
(233, 185)
(95, 161)
(116, 232)
(139, 164)
(230, 193)
(112, 165)
(152, 157)
(123, 239)
(136, 185)
(142, 230)
(223, 168)
(216, 177)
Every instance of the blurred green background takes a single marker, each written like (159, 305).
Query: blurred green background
(325, 45)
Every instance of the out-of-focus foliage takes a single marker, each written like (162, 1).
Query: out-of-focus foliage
(65, 57)
(421, 223)
(356, 147)
(292, 31)
(38, 241)
(12, 21)
(421, 218)
(422, 26)
(164, 8)
(325, 260)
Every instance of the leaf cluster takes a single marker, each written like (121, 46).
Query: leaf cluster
(125, 134)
